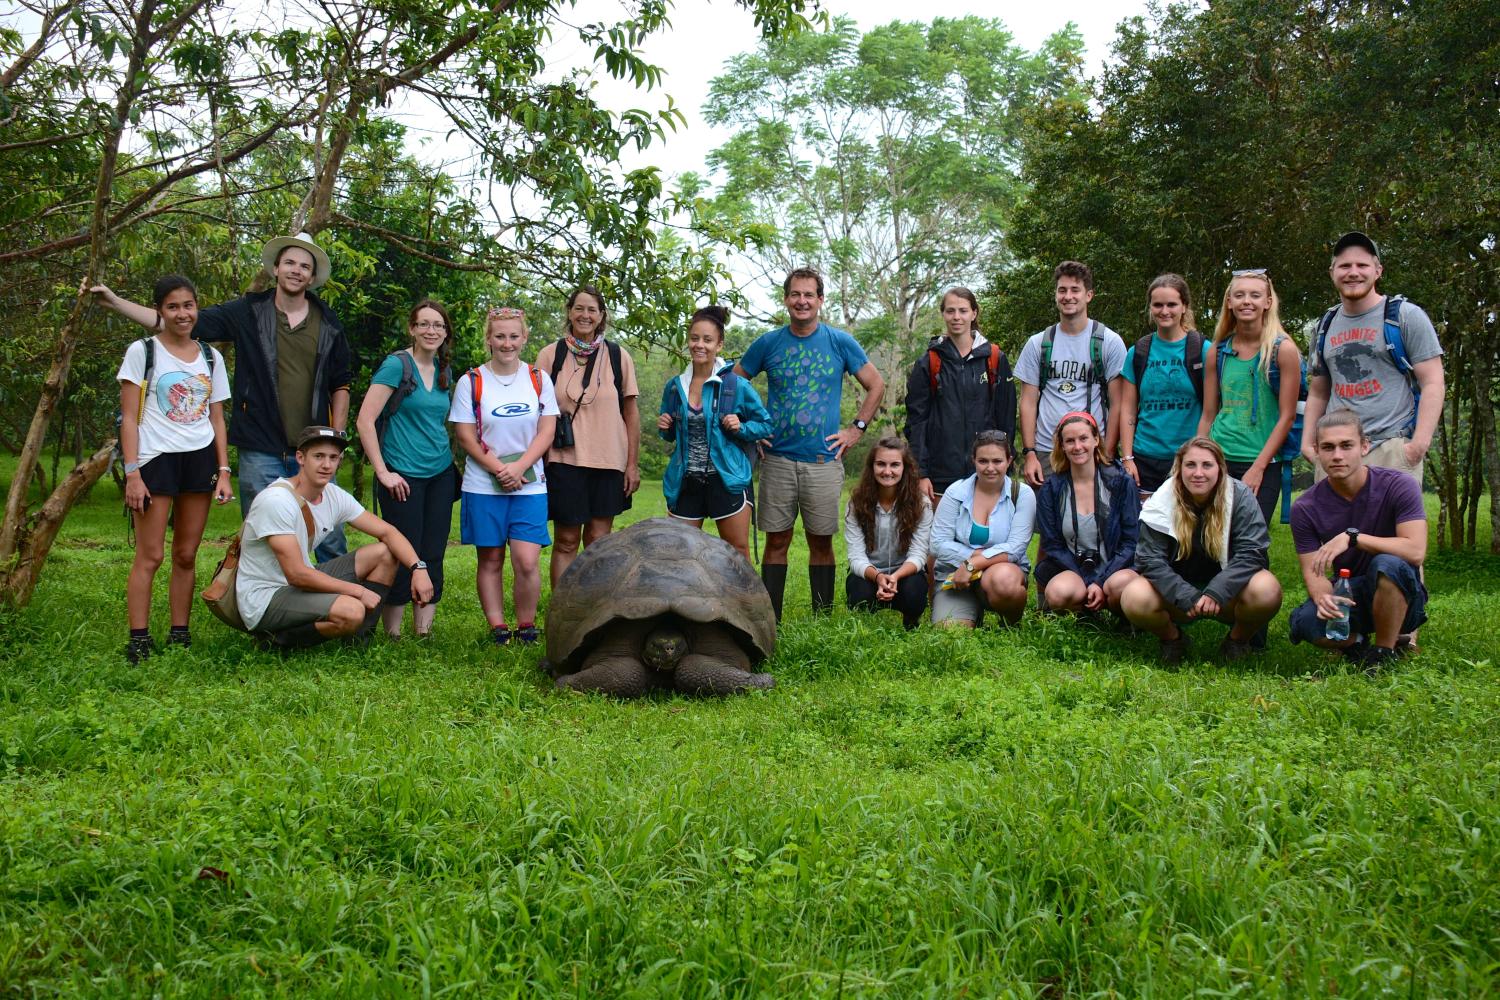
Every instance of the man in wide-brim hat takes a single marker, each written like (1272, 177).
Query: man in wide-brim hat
(291, 364)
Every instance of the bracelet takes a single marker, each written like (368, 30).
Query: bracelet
(1127, 458)
(225, 468)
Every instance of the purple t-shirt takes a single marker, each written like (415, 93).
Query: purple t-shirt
(1390, 497)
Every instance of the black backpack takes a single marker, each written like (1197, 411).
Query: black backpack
(404, 389)
(1192, 358)
(1096, 366)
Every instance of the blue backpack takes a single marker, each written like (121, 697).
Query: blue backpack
(1292, 446)
(1393, 344)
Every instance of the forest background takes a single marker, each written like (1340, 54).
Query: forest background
(176, 135)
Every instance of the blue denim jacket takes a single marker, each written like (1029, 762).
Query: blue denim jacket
(1010, 526)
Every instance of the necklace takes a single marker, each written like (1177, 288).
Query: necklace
(502, 379)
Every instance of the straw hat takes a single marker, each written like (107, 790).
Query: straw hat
(302, 241)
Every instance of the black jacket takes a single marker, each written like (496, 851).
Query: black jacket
(255, 413)
(1120, 526)
(941, 426)
(1249, 552)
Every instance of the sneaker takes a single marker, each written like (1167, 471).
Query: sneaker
(138, 648)
(527, 635)
(1355, 653)
(1174, 651)
(180, 637)
(1232, 650)
(1378, 658)
(500, 635)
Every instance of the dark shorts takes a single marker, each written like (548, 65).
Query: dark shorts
(290, 607)
(1046, 569)
(1270, 486)
(1306, 626)
(174, 472)
(705, 497)
(1154, 472)
(576, 495)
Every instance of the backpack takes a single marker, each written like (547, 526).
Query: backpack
(729, 388)
(1292, 446)
(613, 348)
(1391, 327)
(935, 365)
(403, 389)
(476, 393)
(1096, 366)
(1192, 359)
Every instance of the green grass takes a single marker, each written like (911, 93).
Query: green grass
(1037, 812)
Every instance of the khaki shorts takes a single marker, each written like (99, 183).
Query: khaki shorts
(291, 607)
(788, 488)
(1388, 454)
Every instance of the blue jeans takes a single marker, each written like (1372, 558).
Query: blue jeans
(258, 470)
(1306, 626)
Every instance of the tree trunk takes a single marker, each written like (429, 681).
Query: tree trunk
(20, 579)
(1484, 430)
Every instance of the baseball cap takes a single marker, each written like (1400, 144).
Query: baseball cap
(1355, 239)
(315, 433)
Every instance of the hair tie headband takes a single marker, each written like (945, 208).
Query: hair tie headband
(1081, 415)
(506, 312)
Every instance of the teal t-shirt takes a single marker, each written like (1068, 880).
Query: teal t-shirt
(1168, 411)
(415, 442)
(1240, 381)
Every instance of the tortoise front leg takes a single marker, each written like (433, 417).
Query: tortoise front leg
(622, 676)
(699, 674)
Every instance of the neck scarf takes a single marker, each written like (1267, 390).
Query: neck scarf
(582, 351)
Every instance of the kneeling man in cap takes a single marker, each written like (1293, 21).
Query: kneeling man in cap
(282, 597)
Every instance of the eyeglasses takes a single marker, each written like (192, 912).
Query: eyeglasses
(507, 312)
(428, 324)
(1248, 272)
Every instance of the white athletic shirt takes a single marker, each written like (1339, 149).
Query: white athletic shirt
(508, 419)
(177, 400)
(276, 511)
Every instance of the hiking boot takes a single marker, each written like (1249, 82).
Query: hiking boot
(180, 637)
(1377, 659)
(528, 635)
(1174, 651)
(1233, 650)
(138, 648)
(500, 635)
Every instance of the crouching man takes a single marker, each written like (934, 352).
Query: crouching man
(285, 599)
(1371, 522)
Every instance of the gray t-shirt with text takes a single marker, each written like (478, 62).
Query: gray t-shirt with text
(1067, 387)
(1362, 375)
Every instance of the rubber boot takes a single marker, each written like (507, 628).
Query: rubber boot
(820, 578)
(774, 577)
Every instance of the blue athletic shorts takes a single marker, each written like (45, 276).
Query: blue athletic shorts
(489, 521)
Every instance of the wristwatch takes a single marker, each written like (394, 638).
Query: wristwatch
(419, 564)
(1353, 534)
(1027, 451)
(968, 566)
(860, 425)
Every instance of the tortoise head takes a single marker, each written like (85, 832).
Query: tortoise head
(663, 647)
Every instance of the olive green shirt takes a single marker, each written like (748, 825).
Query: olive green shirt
(296, 363)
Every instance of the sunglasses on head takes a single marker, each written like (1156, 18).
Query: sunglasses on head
(1248, 272)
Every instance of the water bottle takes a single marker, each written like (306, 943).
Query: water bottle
(1338, 628)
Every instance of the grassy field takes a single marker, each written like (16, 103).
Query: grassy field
(1036, 812)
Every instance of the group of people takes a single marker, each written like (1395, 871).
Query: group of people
(944, 516)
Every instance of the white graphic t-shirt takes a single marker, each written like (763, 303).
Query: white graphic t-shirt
(175, 418)
(1066, 387)
(276, 511)
(509, 409)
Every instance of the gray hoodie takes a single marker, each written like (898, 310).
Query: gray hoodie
(1248, 545)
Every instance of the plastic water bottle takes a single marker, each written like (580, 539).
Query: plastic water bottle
(1338, 628)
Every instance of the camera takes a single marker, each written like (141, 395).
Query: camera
(1089, 561)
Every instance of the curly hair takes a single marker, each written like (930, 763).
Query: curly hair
(910, 500)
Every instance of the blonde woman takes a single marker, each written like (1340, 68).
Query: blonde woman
(1241, 411)
(1203, 552)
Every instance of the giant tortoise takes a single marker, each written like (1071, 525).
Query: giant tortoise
(660, 604)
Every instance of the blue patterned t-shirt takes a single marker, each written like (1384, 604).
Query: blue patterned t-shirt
(805, 376)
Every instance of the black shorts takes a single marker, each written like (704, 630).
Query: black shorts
(706, 497)
(576, 495)
(175, 472)
(1154, 472)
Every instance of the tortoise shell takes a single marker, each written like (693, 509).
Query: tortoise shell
(657, 567)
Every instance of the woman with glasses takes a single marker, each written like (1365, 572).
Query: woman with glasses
(403, 430)
(592, 468)
(1240, 410)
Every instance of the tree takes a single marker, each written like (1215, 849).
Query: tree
(887, 160)
(124, 117)
(1250, 134)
